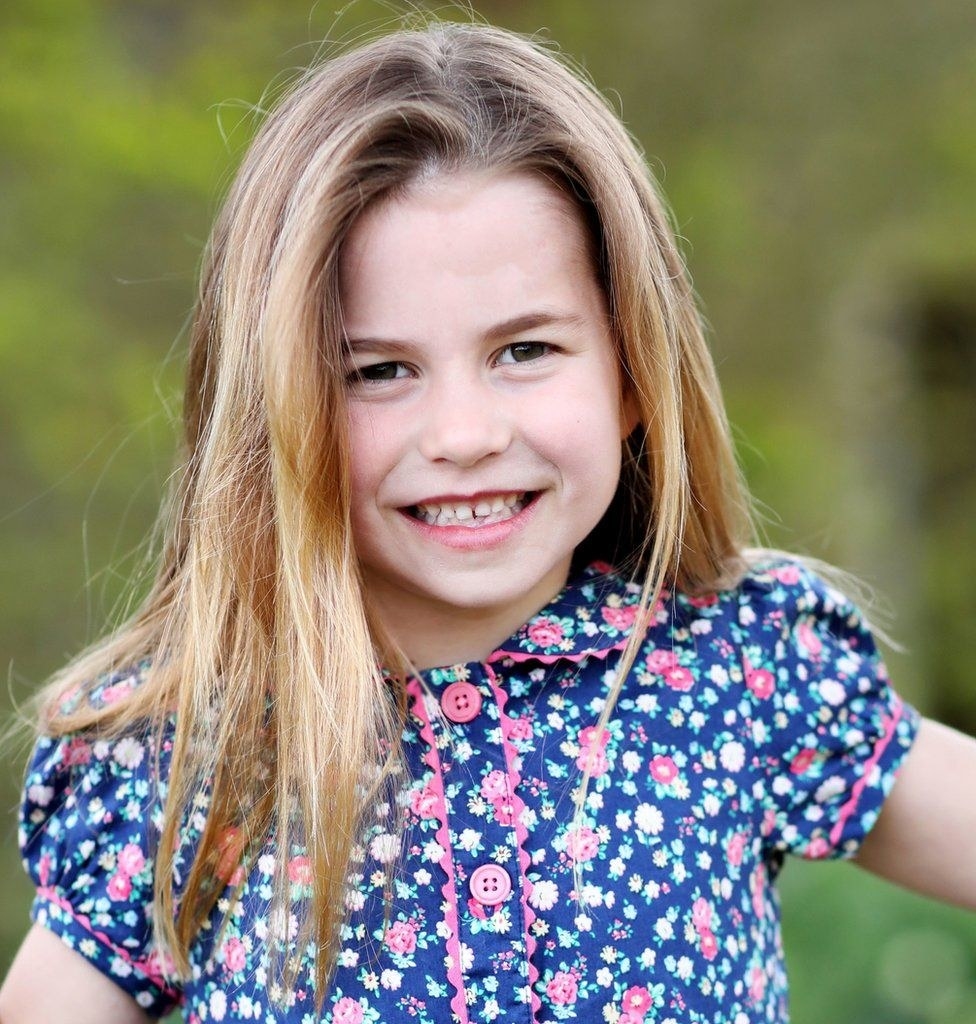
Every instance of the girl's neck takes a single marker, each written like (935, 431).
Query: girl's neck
(434, 634)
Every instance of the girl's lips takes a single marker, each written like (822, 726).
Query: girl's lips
(471, 512)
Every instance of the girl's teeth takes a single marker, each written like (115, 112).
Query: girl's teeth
(495, 510)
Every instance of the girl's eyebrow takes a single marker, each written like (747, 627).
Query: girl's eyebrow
(530, 321)
(505, 329)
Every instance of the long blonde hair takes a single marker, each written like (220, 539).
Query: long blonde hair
(256, 630)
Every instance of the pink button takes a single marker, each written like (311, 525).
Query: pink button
(490, 884)
(461, 702)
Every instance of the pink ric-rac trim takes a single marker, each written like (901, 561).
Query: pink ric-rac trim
(550, 659)
(890, 723)
(433, 761)
(51, 895)
(521, 834)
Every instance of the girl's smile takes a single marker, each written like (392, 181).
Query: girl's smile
(477, 511)
(485, 406)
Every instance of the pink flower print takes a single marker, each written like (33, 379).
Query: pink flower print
(44, 869)
(235, 955)
(593, 761)
(131, 860)
(347, 1011)
(761, 682)
(701, 914)
(503, 813)
(800, 764)
(735, 849)
(809, 640)
(521, 728)
(757, 887)
(659, 661)
(300, 871)
(663, 770)
(494, 786)
(703, 601)
(401, 937)
(630, 1018)
(817, 848)
(119, 886)
(423, 802)
(768, 823)
(590, 735)
(76, 752)
(113, 694)
(158, 964)
(592, 756)
(546, 633)
(788, 574)
(708, 944)
(757, 984)
(679, 678)
(477, 909)
(619, 618)
(562, 988)
(637, 1001)
(582, 843)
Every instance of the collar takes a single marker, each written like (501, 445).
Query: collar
(593, 615)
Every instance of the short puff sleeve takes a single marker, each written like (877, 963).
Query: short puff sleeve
(830, 732)
(88, 825)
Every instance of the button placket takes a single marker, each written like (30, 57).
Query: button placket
(486, 881)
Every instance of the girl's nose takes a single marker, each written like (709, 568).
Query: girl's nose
(464, 426)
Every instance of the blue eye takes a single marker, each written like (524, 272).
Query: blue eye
(523, 352)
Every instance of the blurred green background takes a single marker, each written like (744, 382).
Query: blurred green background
(820, 160)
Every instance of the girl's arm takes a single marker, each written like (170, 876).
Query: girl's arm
(925, 838)
(50, 982)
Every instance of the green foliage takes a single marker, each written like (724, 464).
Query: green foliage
(820, 160)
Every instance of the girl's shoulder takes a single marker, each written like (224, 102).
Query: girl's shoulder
(93, 783)
(90, 819)
(779, 589)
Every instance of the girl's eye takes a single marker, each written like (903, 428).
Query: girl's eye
(523, 352)
(378, 372)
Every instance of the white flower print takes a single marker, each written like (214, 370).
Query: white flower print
(218, 1004)
(470, 840)
(649, 819)
(832, 692)
(40, 795)
(830, 788)
(129, 752)
(544, 895)
(733, 756)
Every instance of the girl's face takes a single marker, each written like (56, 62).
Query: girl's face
(485, 406)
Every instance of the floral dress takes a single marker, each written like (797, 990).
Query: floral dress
(756, 722)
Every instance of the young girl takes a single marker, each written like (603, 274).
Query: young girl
(459, 693)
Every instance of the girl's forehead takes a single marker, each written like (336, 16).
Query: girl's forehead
(437, 217)
(466, 253)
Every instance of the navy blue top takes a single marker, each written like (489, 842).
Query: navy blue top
(756, 722)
